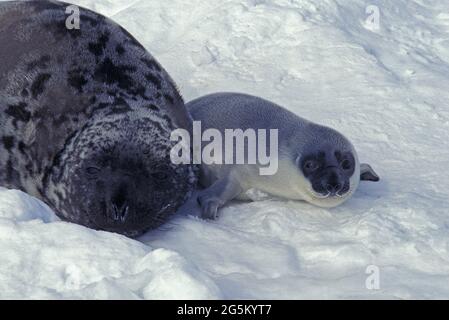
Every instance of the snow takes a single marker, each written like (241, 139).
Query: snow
(385, 89)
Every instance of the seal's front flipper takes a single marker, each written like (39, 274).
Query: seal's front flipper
(214, 197)
(367, 173)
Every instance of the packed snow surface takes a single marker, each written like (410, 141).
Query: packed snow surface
(385, 88)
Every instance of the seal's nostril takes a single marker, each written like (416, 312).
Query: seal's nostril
(333, 187)
(124, 214)
(119, 213)
(115, 212)
(120, 196)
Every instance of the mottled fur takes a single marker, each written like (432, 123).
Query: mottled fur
(66, 93)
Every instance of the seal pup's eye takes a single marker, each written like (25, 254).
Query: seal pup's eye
(346, 164)
(92, 170)
(310, 165)
(338, 155)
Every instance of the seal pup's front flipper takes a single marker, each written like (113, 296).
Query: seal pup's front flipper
(191, 207)
(367, 173)
(217, 195)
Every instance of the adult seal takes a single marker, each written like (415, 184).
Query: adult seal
(85, 119)
(315, 163)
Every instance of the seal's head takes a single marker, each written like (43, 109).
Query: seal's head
(116, 175)
(330, 166)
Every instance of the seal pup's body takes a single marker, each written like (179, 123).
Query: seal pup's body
(85, 119)
(301, 144)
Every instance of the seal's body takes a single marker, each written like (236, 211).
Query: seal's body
(315, 163)
(85, 119)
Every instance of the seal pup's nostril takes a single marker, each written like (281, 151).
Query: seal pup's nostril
(330, 188)
(333, 187)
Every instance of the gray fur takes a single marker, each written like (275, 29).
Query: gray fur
(70, 99)
(299, 141)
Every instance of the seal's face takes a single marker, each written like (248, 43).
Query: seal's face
(329, 169)
(120, 180)
(121, 192)
(329, 172)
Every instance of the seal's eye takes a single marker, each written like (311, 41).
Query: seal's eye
(310, 165)
(346, 164)
(160, 175)
(92, 170)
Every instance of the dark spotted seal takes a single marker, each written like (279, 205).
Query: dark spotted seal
(85, 119)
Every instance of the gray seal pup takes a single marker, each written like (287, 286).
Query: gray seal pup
(85, 119)
(315, 163)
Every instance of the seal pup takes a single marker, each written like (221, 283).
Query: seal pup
(85, 119)
(316, 164)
